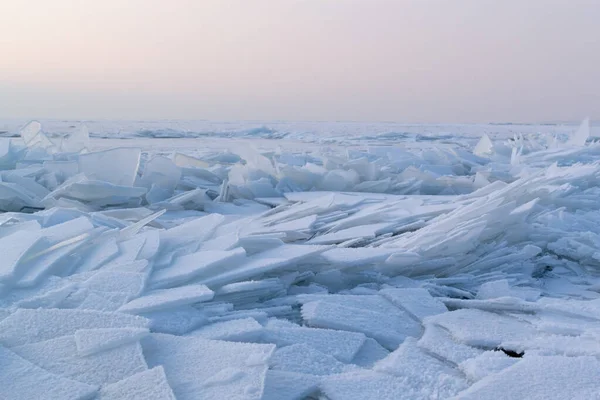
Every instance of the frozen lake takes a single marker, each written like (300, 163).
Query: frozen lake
(309, 260)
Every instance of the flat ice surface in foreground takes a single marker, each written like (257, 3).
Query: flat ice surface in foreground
(207, 260)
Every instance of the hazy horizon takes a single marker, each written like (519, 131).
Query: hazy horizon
(411, 61)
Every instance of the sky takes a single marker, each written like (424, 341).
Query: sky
(449, 61)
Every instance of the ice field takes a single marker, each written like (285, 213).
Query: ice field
(341, 261)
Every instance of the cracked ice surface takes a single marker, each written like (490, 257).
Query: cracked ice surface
(327, 262)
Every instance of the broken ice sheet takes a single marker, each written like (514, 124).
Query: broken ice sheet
(482, 329)
(289, 385)
(162, 299)
(228, 370)
(116, 166)
(90, 341)
(540, 378)
(304, 359)
(161, 172)
(389, 330)
(30, 326)
(238, 330)
(506, 241)
(151, 384)
(422, 370)
(21, 379)
(99, 368)
(33, 136)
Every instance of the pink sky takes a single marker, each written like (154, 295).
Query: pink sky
(409, 61)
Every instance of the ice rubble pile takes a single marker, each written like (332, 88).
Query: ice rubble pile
(492, 294)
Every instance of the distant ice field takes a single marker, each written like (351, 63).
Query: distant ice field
(271, 260)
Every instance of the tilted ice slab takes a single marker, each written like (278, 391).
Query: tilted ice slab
(540, 378)
(231, 370)
(149, 385)
(98, 368)
(31, 326)
(21, 379)
(194, 266)
(162, 299)
(90, 341)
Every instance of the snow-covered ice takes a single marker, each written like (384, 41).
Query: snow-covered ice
(299, 261)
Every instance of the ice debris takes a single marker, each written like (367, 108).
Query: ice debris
(382, 272)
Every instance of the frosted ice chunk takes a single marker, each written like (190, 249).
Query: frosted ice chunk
(368, 385)
(31, 226)
(90, 341)
(196, 199)
(373, 303)
(482, 329)
(133, 229)
(389, 330)
(162, 299)
(250, 291)
(255, 160)
(380, 186)
(129, 283)
(418, 302)
(34, 137)
(487, 363)
(344, 257)
(161, 172)
(135, 267)
(30, 326)
(98, 193)
(267, 261)
(501, 288)
(7, 157)
(99, 254)
(28, 184)
(581, 135)
(438, 341)
(484, 147)
(304, 359)
(423, 371)
(151, 245)
(148, 385)
(55, 259)
(13, 248)
(361, 231)
(177, 321)
(116, 166)
(298, 225)
(13, 197)
(63, 231)
(130, 249)
(280, 385)
(4, 313)
(157, 194)
(586, 344)
(73, 142)
(49, 299)
(540, 378)
(228, 369)
(342, 345)
(102, 301)
(195, 265)
(182, 160)
(237, 330)
(339, 180)
(370, 352)
(60, 356)
(23, 380)
(196, 230)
